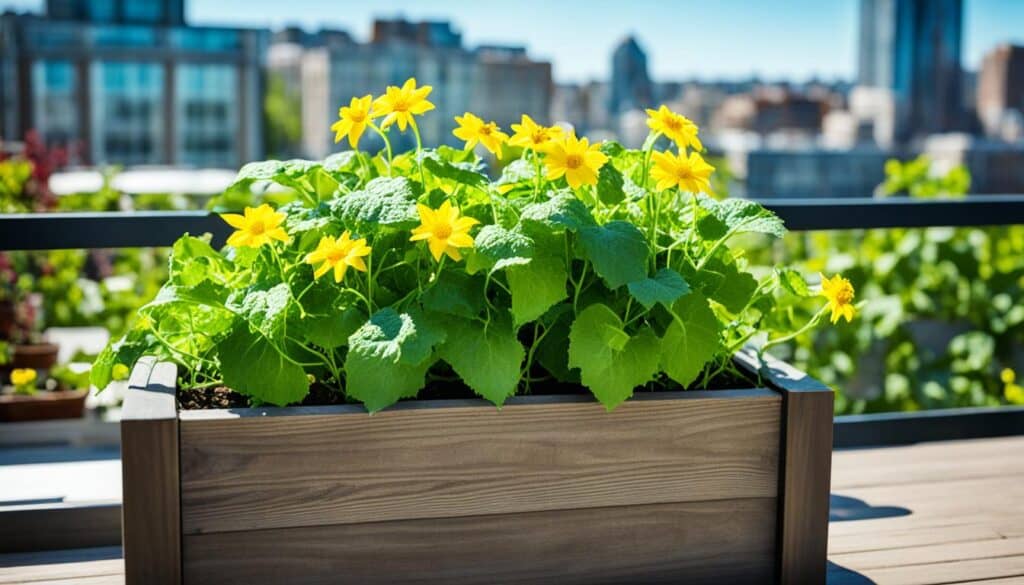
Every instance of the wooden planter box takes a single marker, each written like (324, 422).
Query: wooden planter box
(724, 486)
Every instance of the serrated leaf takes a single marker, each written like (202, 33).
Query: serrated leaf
(611, 362)
(723, 282)
(553, 351)
(193, 261)
(618, 251)
(488, 359)
(455, 293)
(388, 358)
(562, 212)
(536, 287)
(497, 247)
(385, 201)
(610, 185)
(250, 365)
(744, 215)
(793, 281)
(518, 171)
(264, 308)
(330, 317)
(691, 340)
(449, 171)
(665, 287)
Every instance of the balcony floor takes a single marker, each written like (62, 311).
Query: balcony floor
(944, 512)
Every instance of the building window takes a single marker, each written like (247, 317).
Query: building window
(142, 11)
(127, 113)
(124, 36)
(205, 40)
(54, 101)
(208, 113)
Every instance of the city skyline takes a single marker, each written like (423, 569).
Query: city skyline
(824, 44)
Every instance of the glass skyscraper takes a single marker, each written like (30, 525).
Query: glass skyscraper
(128, 82)
(912, 47)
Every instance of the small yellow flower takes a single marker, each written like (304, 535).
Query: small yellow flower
(677, 170)
(444, 231)
(353, 120)
(23, 377)
(677, 127)
(120, 372)
(530, 134)
(258, 226)
(1014, 393)
(575, 158)
(1008, 376)
(839, 293)
(339, 254)
(400, 104)
(473, 130)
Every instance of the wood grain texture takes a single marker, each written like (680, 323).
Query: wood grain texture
(60, 526)
(151, 503)
(805, 468)
(262, 472)
(719, 541)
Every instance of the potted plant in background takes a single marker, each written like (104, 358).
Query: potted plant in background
(557, 362)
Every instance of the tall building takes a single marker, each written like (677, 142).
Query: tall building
(495, 82)
(129, 82)
(631, 87)
(912, 48)
(1001, 87)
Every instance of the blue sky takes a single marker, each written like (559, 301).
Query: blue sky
(795, 39)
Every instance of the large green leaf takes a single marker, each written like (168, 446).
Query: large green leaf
(563, 211)
(744, 215)
(487, 358)
(617, 250)
(536, 287)
(516, 172)
(612, 363)
(610, 185)
(443, 169)
(265, 308)
(664, 287)
(691, 340)
(721, 280)
(388, 358)
(385, 201)
(455, 293)
(193, 260)
(497, 247)
(330, 316)
(252, 366)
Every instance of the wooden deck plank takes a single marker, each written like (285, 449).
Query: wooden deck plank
(929, 514)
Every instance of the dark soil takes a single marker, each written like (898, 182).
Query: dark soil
(439, 388)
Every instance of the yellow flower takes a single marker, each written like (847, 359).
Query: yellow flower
(444, 230)
(839, 293)
(400, 104)
(353, 120)
(530, 134)
(339, 254)
(22, 377)
(1008, 376)
(258, 226)
(676, 126)
(472, 129)
(120, 372)
(677, 170)
(575, 158)
(1014, 394)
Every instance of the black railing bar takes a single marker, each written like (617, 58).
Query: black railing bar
(902, 428)
(86, 230)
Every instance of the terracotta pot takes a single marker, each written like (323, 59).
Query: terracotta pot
(38, 356)
(42, 406)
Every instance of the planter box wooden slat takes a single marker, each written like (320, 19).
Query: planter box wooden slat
(255, 472)
(715, 541)
(696, 487)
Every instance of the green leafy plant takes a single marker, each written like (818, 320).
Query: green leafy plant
(581, 264)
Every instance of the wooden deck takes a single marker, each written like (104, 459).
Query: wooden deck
(945, 512)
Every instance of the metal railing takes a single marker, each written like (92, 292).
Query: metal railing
(54, 231)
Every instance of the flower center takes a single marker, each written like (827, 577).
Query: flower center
(357, 117)
(401, 104)
(257, 227)
(673, 124)
(336, 255)
(539, 137)
(443, 231)
(485, 131)
(844, 296)
(574, 161)
(684, 174)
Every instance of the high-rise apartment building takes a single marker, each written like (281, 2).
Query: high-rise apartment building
(129, 82)
(631, 87)
(494, 82)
